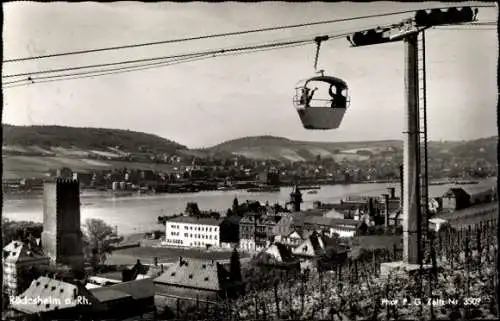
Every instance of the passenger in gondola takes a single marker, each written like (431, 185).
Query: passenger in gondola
(333, 93)
(340, 100)
(304, 95)
(310, 96)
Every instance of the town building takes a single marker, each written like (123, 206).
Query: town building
(126, 299)
(278, 256)
(329, 226)
(319, 251)
(309, 251)
(17, 261)
(62, 235)
(270, 177)
(191, 231)
(257, 232)
(458, 198)
(50, 299)
(193, 280)
(294, 238)
(284, 225)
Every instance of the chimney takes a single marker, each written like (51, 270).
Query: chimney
(392, 192)
(386, 201)
(370, 207)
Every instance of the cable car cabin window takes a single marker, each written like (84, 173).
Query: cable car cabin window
(320, 93)
(321, 102)
(314, 94)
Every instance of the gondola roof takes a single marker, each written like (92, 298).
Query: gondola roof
(328, 79)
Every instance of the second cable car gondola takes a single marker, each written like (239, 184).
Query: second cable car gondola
(321, 102)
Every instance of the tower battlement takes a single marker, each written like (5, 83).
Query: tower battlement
(66, 181)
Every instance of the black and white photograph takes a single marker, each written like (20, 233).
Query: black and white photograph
(234, 160)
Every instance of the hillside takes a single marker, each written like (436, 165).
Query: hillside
(48, 139)
(278, 148)
(31, 151)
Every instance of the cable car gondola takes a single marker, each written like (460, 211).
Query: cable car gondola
(315, 109)
(318, 110)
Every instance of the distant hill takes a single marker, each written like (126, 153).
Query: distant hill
(43, 138)
(279, 148)
(30, 151)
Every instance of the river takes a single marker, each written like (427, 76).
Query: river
(132, 214)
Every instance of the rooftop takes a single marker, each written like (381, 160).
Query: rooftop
(327, 221)
(17, 251)
(45, 294)
(196, 220)
(469, 211)
(193, 273)
(136, 289)
(105, 294)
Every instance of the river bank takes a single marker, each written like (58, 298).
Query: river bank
(139, 213)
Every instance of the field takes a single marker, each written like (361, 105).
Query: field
(37, 166)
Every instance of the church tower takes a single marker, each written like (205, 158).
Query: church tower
(296, 199)
(62, 235)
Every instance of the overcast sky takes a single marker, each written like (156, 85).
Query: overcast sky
(206, 102)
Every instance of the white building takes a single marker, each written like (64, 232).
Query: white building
(19, 257)
(190, 231)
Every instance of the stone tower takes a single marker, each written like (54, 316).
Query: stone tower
(296, 199)
(62, 235)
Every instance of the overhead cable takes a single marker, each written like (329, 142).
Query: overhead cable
(227, 34)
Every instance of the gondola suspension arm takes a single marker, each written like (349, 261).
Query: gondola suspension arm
(318, 41)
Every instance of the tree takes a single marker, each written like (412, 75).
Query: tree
(97, 240)
(20, 230)
(235, 268)
(192, 209)
(235, 204)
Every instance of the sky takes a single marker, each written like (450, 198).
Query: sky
(203, 103)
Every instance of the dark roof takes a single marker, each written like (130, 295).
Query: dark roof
(105, 294)
(138, 289)
(328, 79)
(315, 242)
(194, 273)
(233, 219)
(331, 222)
(456, 192)
(115, 275)
(269, 255)
(265, 219)
(140, 268)
(469, 211)
(196, 220)
(285, 253)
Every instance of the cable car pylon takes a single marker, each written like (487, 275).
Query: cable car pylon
(415, 198)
